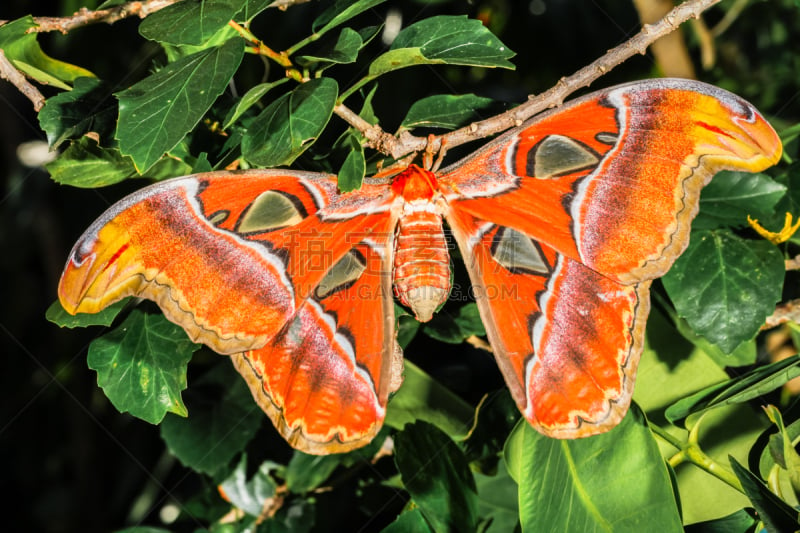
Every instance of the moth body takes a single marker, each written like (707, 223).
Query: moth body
(421, 260)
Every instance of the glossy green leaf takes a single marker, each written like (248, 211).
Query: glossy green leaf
(22, 49)
(141, 366)
(222, 419)
(776, 514)
(249, 495)
(454, 329)
(345, 50)
(340, 12)
(726, 286)
(290, 124)
(352, 172)
(787, 456)
(156, 113)
(85, 164)
(447, 111)
(746, 387)
(423, 398)
(88, 107)
(790, 203)
(189, 22)
(437, 476)
(57, 315)
(616, 481)
(250, 98)
(455, 40)
(306, 472)
(732, 196)
(411, 521)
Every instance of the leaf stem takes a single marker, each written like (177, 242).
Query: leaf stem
(258, 47)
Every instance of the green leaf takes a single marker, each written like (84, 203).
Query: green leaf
(454, 329)
(411, 521)
(156, 113)
(455, 40)
(306, 472)
(497, 501)
(72, 114)
(732, 196)
(776, 514)
(746, 387)
(22, 49)
(290, 124)
(222, 419)
(355, 166)
(250, 495)
(726, 286)
(407, 326)
(446, 111)
(616, 481)
(345, 50)
(85, 164)
(57, 315)
(340, 12)
(437, 476)
(250, 98)
(189, 22)
(422, 398)
(742, 521)
(496, 416)
(788, 456)
(141, 366)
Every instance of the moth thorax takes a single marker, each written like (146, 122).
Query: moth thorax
(421, 263)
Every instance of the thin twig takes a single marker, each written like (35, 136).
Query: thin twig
(283, 5)
(785, 312)
(9, 73)
(84, 17)
(405, 144)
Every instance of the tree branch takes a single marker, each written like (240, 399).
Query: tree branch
(397, 147)
(9, 73)
(84, 17)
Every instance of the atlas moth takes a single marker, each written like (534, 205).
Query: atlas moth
(574, 212)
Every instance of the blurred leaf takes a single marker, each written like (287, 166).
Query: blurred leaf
(746, 387)
(57, 315)
(290, 124)
(423, 398)
(732, 196)
(141, 366)
(497, 501)
(340, 12)
(774, 512)
(71, 114)
(787, 457)
(157, 112)
(345, 50)
(446, 111)
(22, 49)
(437, 476)
(250, 495)
(566, 483)
(189, 22)
(742, 521)
(222, 419)
(726, 286)
(410, 521)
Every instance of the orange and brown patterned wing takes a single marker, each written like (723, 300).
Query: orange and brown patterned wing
(613, 179)
(564, 221)
(277, 265)
(567, 339)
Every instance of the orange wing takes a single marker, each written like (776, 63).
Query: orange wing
(563, 222)
(276, 265)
